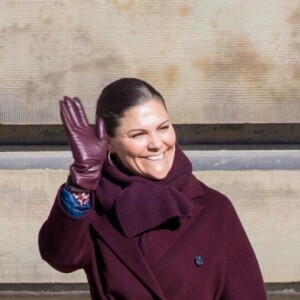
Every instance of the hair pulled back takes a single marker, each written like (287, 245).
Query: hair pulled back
(121, 95)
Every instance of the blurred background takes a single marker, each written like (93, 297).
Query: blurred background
(229, 71)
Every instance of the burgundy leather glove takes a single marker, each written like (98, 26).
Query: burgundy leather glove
(89, 147)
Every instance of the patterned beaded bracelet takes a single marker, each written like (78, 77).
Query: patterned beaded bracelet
(81, 195)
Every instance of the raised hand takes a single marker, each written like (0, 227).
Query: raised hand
(88, 146)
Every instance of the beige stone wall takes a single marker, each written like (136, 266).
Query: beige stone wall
(214, 61)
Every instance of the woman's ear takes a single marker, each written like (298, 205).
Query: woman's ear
(110, 145)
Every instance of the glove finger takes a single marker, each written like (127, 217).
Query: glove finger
(82, 119)
(65, 117)
(72, 110)
(100, 129)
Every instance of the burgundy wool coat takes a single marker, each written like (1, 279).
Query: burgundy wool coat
(208, 257)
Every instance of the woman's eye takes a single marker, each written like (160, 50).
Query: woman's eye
(165, 127)
(135, 135)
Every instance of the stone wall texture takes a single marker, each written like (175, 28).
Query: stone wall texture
(227, 61)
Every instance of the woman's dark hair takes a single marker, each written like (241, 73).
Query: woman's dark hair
(121, 95)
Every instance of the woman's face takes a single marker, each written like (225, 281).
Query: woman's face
(145, 140)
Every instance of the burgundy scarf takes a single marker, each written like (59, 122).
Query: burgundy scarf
(141, 204)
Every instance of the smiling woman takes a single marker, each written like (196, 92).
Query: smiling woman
(133, 215)
(145, 140)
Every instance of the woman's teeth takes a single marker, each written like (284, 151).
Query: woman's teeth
(156, 157)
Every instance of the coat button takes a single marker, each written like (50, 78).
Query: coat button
(199, 261)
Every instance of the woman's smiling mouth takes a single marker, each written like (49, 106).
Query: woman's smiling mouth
(155, 157)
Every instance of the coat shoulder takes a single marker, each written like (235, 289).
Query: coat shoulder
(214, 197)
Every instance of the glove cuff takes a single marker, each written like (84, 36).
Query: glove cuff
(85, 175)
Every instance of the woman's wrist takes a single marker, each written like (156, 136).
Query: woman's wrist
(74, 187)
(80, 194)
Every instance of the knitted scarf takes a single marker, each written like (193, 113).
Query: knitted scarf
(141, 204)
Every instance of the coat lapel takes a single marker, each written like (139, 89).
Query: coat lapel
(127, 251)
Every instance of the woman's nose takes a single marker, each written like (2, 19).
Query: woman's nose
(155, 142)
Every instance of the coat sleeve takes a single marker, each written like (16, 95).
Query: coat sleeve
(243, 276)
(64, 241)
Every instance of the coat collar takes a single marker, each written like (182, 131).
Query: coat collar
(193, 188)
